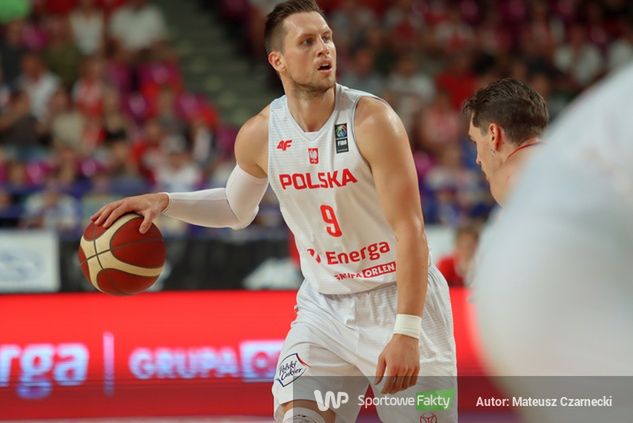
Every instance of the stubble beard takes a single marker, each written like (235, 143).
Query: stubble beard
(314, 89)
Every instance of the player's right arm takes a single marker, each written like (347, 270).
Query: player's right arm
(234, 206)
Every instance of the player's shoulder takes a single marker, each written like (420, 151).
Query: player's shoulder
(254, 132)
(374, 115)
(373, 111)
(252, 142)
(257, 125)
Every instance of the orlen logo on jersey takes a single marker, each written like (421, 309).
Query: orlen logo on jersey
(317, 180)
(372, 252)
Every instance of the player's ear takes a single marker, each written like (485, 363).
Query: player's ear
(496, 133)
(276, 60)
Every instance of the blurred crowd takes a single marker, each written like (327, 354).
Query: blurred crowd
(92, 108)
(425, 57)
(93, 104)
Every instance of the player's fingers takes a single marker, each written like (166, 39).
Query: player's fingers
(119, 211)
(389, 380)
(380, 369)
(102, 214)
(400, 383)
(147, 222)
(413, 378)
(409, 379)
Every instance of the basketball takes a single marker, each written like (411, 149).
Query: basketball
(120, 260)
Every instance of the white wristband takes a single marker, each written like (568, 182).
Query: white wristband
(407, 324)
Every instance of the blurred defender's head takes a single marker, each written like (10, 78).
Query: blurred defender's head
(503, 116)
(299, 45)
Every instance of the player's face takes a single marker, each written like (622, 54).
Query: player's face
(309, 55)
(483, 143)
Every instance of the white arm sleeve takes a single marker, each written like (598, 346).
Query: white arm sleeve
(234, 206)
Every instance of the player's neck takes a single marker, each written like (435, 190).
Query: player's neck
(505, 177)
(310, 109)
(523, 150)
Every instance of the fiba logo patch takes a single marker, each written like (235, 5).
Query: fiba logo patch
(340, 133)
(313, 154)
(428, 418)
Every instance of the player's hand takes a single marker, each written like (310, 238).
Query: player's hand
(398, 364)
(147, 205)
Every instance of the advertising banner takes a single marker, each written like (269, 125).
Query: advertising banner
(162, 354)
(29, 261)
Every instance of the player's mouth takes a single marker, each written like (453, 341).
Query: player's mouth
(325, 68)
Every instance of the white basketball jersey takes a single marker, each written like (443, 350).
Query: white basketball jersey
(328, 199)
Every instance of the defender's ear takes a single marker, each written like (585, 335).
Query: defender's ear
(496, 135)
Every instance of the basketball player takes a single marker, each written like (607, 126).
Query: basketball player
(507, 117)
(340, 163)
(554, 288)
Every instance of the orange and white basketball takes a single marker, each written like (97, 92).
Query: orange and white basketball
(120, 260)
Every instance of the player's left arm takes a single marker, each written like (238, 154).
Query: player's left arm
(383, 142)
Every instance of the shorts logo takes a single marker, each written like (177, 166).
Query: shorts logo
(428, 418)
(290, 369)
(340, 133)
(313, 154)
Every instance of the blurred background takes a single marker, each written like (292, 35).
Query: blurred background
(101, 99)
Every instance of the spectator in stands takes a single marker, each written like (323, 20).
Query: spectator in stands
(579, 58)
(10, 211)
(349, 21)
(180, 173)
(456, 265)
(147, 152)
(465, 185)
(258, 9)
(65, 164)
(62, 124)
(87, 24)
(18, 126)
(458, 79)
(51, 209)
(203, 150)
(38, 83)
(137, 26)
(35, 33)
(404, 24)
(62, 55)
(360, 73)
(620, 51)
(544, 28)
(113, 118)
(100, 191)
(123, 172)
(437, 125)
(407, 89)
(165, 111)
(453, 33)
(5, 93)
(89, 90)
(12, 50)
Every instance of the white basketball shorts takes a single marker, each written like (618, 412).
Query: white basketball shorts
(334, 343)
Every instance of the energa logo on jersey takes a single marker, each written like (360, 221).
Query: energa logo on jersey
(330, 400)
